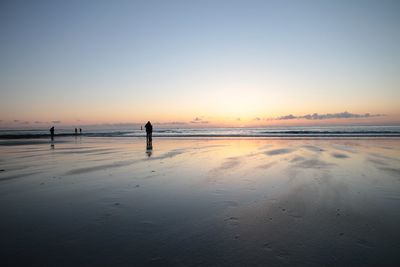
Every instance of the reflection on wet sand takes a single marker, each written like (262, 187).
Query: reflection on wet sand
(149, 152)
(229, 202)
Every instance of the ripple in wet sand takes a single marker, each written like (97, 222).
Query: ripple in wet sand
(339, 155)
(278, 151)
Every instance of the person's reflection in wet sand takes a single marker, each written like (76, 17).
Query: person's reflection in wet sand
(149, 151)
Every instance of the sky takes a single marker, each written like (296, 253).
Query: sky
(214, 63)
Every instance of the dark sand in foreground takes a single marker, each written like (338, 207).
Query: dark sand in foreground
(194, 202)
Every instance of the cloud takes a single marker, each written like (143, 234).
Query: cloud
(205, 122)
(172, 123)
(20, 122)
(120, 124)
(287, 117)
(340, 115)
(257, 119)
(198, 120)
(238, 119)
(37, 122)
(56, 122)
(125, 124)
(113, 125)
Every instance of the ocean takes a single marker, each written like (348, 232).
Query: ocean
(289, 131)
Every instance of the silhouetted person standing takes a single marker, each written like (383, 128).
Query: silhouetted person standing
(149, 135)
(80, 130)
(52, 133)
(76, 131)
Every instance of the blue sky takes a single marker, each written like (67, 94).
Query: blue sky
(128, 61)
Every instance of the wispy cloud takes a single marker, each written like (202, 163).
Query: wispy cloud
(257, 119)
(288, 117)
(199, 120)
(20, 122)
(56, 122)
(121, 124)
(172, 123)
(340, 115)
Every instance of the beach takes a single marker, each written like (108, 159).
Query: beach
(107, 201)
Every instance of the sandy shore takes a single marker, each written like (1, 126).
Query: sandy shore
(198, 202)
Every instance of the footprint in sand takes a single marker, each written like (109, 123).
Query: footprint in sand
(313, 148)
(232, 221)
(364, 243)
(267, 246)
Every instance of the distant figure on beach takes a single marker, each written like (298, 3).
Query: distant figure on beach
(80, 130)
(76, 131)
(149, 135)
(52, 133)
(141, 127)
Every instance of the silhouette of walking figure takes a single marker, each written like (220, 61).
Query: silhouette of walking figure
(149, 135)
(52, 133)
(76, 131)
(80, 130)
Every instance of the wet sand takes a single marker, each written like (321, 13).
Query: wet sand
(199, 202)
